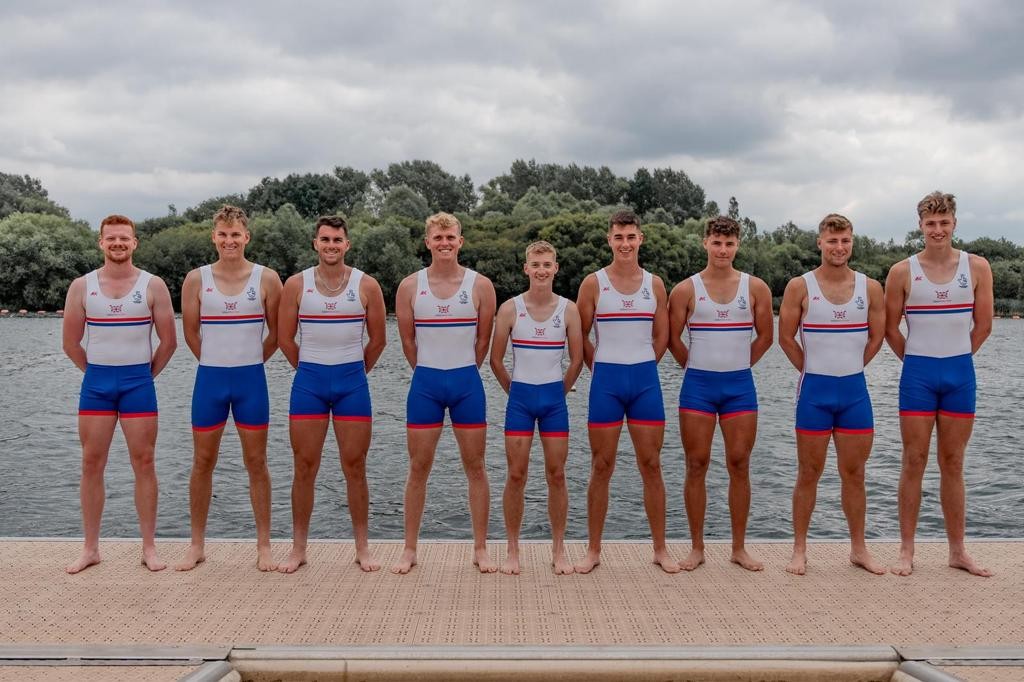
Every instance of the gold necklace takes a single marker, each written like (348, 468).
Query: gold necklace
(323, 282)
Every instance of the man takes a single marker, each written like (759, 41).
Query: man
(115, 309)
(946, 296)
(840, 317)
(719, 307)
(445, 315)
(541, 324)
(626, 305)
(225, 308)
(329, 306)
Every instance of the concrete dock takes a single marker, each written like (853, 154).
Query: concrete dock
(446, 617)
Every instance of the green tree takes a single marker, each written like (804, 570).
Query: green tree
(386, 252)
(25, 194)
(40, 254)
(172, 253)
(311, 194)
(403, 201)
(282, 241)
(442, 190)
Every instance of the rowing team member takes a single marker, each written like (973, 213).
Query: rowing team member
(329, 321)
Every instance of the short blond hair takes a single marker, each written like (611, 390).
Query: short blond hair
(231, 214)
(541, 247)
(937, 202)
(834, 222)
(444, 221)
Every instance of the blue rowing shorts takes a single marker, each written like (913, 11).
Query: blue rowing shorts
(318, 391)
(725, 394)
(826, 404)
(630, 391)
(930, 386)
(537, 404)
(242, 391)
(123, 390)
(458, 390)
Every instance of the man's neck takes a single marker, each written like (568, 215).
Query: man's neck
(624, 269)
(539, 295)
(112, 270)
(444, 268)
(232, 266)
(937, 253)
(715, 273)
(338, 268)
(833, 273)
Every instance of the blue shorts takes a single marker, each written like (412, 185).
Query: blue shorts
(930, 386)
(125, 390)
(826, 404)
(459, 390)
(240, 390)
(633, 391)
(320, 390)
(531, 404)
(726, 394)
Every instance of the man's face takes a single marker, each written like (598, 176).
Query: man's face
(444, 243)
(625, 241)
(230, 239)
(721, 249)
(937, 228)
(331, 244)
(118, 242)
(836, 246)
(540, 268)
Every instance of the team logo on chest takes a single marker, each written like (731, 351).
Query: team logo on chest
(942, 295)
(230, 306)
(838, 315)
(741, 303)
(250, 294)
(350, 296)
(444, 310)
(645, 294)
(538, 332)
(556, 321)
(331, 307)
(859, 302)
(627, 304)
(137, 297)
(961, 281)
(463, 297)
(722, 314)
(116, 309)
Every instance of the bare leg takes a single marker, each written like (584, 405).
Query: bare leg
(852, 452)
(810, 454)
(517, 452)
(307, 438)
(353, 443)
(604, 443)
(254, 454)
(740, 433)
(953, 434)
(140, 436)
(556, 451)
(917, 435)
(472, 445)
(95, 433)
(697, 432)
(647, 442)
(422, 444)
(205, 448)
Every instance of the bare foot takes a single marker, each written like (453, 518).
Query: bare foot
(193, 557)
(296, 559)
(562, 565)
(89, 557)
(694, 559)
(511, 564)
(743, 558)
(666, 562)
(590, 562)
(864, 559)
(482, 560)
(965, 562)
(405, 562)
(798, 564)
(151, 561)
(265, 559)
(366, 561)
(905, 564)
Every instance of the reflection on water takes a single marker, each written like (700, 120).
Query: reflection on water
(39, 456)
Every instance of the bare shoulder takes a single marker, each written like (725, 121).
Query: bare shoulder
(294, 281)
(368, 281)
(657, 282)
(760, 287)
(978, 263)
(482, 281)
(684, 288)
(874, 286)
(796, 286)
(269, 276)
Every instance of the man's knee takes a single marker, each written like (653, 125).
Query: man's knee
(915, 460)
(809, 473)
(354, 468)
(852, 474)
(650, 467)
(738, 465)
(697, 465)
(555, 475)
(951, 463)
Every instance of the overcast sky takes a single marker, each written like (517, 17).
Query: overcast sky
(796, 108)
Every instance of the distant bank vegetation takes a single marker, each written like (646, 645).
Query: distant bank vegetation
(42, 247)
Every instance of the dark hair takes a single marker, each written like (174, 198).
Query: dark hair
(231, 214)
(834, 222)
(937, 202)
(624, 217)
(335, 221)
(722, 225)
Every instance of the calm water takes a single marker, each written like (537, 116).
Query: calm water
(39, 456)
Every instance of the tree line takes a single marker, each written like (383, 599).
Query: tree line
(42, 247)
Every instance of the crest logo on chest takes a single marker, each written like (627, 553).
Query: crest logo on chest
(859, 302)
(350, 296)
(463, 297)
(961, 281)
(741, 303)
(250, 294)
(556, 321)
(443, 309)
(137, 297)
(645, 294)
(230, 306)
(538, 331)
(330, 307)
(838, 314)
(722, 314)
(116, 309)
(627, 304)
(942, 295)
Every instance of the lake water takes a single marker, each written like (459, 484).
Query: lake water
(40, 456)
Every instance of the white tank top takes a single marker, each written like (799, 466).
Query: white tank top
(940, 316)
(445, 328)
(118, 331)
(537, 347)
(231, 326)
(624, 323)
(331, 327)
(719, 333)
(834, 336)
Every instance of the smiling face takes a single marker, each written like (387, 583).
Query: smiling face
(117, 242)
(721, 249)
(540, 267)
(625, 241)
(937, 228)
(331, 244)
(444, 242)
(836, 247)
(230, 238)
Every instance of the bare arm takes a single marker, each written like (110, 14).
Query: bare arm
(764, 321)
(190, 312)
(376, 316)
(73, 326)
(499, 343)
(486, 303)
(586, 304)
(895, 298)
(163, 323)
(679, 302)
(271, 285)
(981, 275)
(794, 303)
(659, 330)
(407, 318)
(574, 339)
(876, 320)
(288, 319)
